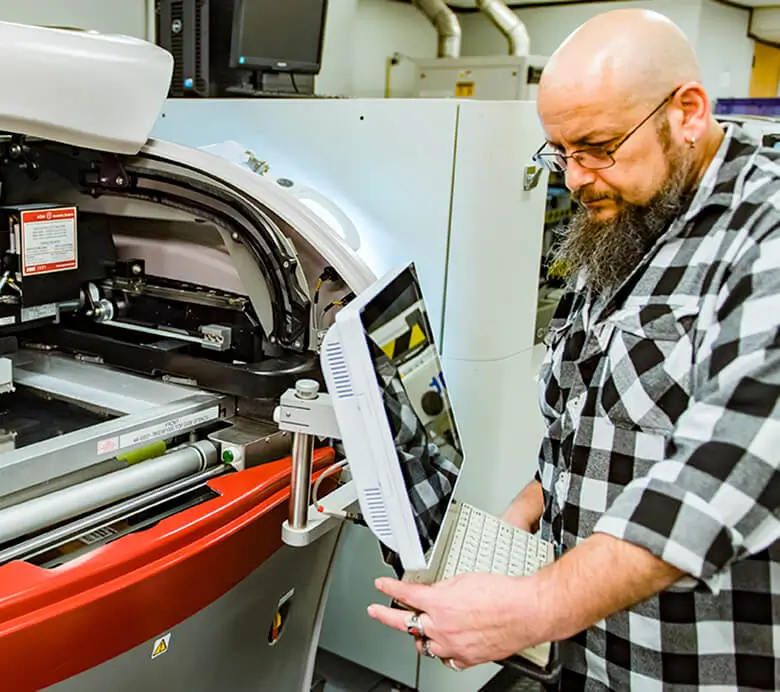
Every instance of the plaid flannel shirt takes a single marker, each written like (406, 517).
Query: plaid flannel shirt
(664, 431)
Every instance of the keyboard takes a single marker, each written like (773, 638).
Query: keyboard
(483, 543)
(272, 93)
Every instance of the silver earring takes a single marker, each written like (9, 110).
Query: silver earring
(692, 142)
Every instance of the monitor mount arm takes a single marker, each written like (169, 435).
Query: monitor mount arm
(308, 413)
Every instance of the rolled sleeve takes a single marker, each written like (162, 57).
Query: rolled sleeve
(674, 524)
(715, 498)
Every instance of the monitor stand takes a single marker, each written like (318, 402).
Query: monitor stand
(270, 84)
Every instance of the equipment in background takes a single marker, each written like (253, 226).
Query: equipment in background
(500, 77)
(237, 48)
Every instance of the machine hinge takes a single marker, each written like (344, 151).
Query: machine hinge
(106, 174)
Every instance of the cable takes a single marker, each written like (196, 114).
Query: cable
(328, 274)
(354, 517)
(336, 467)
(340, 302)
(294, 83)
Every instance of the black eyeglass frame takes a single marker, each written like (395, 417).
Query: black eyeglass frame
(542, 159)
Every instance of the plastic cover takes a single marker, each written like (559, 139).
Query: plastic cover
(84, 88)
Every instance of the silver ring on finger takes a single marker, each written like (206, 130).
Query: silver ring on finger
(414, 626)
(426, 648)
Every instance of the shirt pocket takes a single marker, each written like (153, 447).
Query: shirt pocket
(646, 384)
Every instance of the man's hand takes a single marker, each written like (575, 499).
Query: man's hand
(472, 619)
(476, 618)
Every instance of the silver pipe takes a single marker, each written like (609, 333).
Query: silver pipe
(300, 479)
(509, 24)
(104, 517)
(59, 506)
(447, 26)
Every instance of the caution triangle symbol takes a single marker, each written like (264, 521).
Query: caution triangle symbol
(161, 648)
(417, 337)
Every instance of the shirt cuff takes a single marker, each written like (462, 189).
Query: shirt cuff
(675, 525)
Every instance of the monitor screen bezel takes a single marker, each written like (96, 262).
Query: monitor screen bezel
(268, 63)
(384, 461)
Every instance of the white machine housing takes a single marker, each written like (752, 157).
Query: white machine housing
(185, 233)
(81, 87)
(494, 77)
(451, 196)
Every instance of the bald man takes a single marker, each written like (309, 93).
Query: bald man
(658, 475)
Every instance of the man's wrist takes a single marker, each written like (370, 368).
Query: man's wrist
(584, 587)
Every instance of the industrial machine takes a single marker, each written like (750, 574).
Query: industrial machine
(450, 185)
(155, 302)
(501, 77)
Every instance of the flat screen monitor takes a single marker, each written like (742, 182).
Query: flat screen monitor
(384, 374)
(278, 35)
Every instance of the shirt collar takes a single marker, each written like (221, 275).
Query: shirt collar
(724, 180)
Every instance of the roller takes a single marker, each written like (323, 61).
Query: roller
(67, 503)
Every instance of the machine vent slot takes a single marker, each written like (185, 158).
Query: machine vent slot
(338, 368)
(201, 24)
(376, 510)
(177, 43)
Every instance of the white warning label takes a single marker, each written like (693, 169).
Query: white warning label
(49, 240)
(169, 428)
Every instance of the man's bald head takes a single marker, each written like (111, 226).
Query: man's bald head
(626, 55)
(627, 120)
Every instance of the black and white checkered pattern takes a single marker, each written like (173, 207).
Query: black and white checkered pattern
(664, 430)
(429, 476)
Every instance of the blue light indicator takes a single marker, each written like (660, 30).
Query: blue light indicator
(188, 82)
(241, 60)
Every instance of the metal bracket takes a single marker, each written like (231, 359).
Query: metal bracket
(319, 523)
(307, 414)
(531, 175)
(110, 174)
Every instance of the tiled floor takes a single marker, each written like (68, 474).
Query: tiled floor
(344, 676)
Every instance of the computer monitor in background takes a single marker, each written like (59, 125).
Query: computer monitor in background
(241, 48)
(278, 36)
(272, 38)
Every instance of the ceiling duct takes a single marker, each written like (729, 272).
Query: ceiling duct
(446, 23)
(509, 24)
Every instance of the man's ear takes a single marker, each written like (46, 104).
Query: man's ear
(693, 105)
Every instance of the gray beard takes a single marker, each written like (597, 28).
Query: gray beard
(609, 251)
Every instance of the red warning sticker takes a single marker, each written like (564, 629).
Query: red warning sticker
(49, 240)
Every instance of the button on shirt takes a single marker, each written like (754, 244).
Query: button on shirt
(663, 430)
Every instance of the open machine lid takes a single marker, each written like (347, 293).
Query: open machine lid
(83, 88)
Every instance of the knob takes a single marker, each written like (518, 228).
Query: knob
(307, 389)
(432, 403)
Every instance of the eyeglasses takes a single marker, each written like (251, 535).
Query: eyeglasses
(592, 158)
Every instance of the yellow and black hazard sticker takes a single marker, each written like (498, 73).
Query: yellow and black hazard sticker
(410, 340)
(464, 89)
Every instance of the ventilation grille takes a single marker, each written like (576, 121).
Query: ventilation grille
(376, 510)
(177, 43)
(337, 366)
(201, 26)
